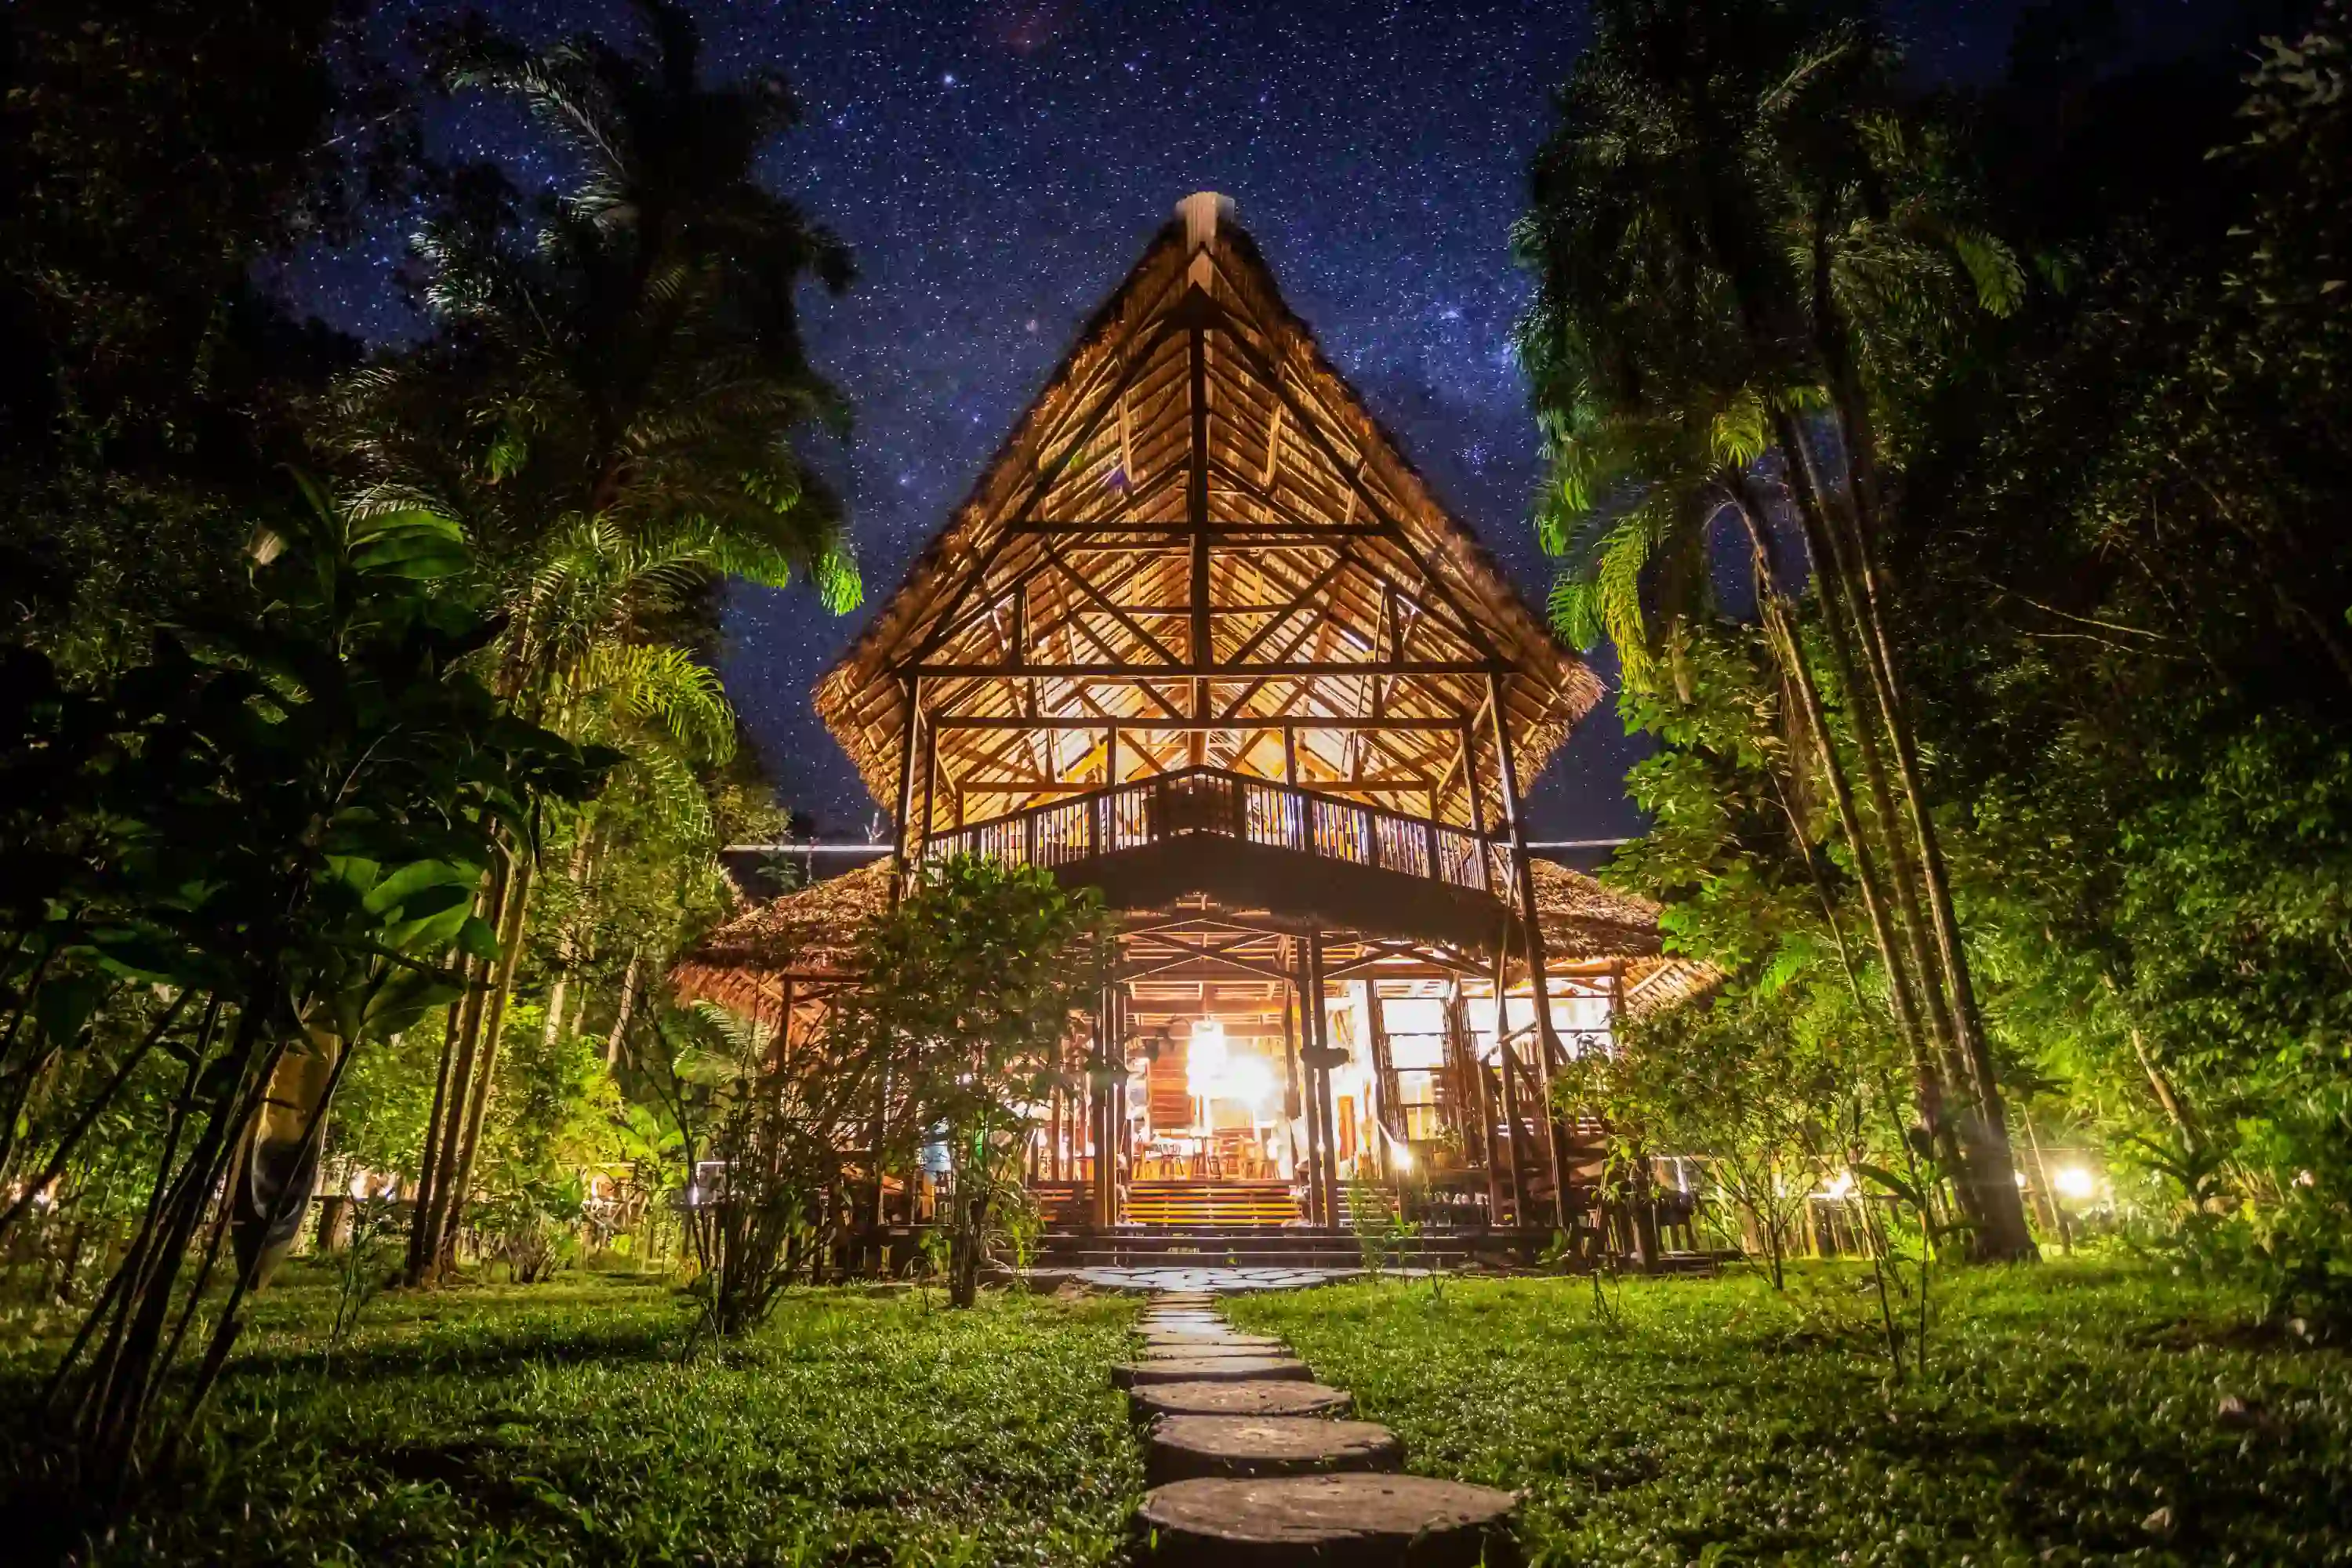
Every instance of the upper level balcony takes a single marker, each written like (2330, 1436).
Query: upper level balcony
(1257, 844)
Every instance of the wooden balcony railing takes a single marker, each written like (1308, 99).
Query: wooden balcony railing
(1235, 805)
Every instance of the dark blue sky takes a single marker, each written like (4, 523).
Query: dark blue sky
(997, 167)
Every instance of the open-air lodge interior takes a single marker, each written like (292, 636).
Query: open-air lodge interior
(1201, 638)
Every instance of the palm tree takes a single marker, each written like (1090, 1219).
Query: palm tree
(1740, 239)
(609, 410)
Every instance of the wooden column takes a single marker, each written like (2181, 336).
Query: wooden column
(905, 825)
(1510, 1092)
(1098, 1081)
(1320, 1031)
(1547, 1049)
(930, 789)
(1294, 1100)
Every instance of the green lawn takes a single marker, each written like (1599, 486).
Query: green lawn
(567, 1423)
(2075, 1415)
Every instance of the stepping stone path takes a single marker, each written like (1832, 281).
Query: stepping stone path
(1249, 1464)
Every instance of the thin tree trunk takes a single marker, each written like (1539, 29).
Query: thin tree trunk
(2006, 1235)
(1985, 1168)
(567, 940)
(1901, 993)
(441, 1140)
(629, 1003)
(493, 1014)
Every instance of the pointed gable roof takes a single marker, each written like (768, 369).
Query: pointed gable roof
(1198, 492)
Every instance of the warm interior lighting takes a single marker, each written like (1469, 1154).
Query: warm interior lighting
(2074, 1182)
(1204, 1063)
(1248, 1079)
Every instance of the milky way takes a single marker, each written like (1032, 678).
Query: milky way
(996, 169)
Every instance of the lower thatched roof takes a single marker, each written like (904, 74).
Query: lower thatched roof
(808, 936)
(1585, 921)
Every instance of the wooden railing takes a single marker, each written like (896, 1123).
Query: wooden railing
(1235, 805)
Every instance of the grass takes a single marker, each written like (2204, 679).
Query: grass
(575, 1423)
(2073, 1413)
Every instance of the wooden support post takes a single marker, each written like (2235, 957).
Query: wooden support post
(1098, 1118)
(1312, 1099)
(1510, 1091)
(1548, 1048)
(1319, 1024)
(930, 790)
(1480, 1104)
(904, 826)
(1294, 1100)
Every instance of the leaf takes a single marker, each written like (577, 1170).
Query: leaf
(65, 1004)
(1891, 1181)
(420, 887)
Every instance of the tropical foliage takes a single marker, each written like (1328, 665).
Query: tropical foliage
(962, 1028)
(1961, 516)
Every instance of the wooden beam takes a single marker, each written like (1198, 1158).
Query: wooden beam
(1214, 672)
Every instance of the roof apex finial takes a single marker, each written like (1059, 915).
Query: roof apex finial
(1202, 211)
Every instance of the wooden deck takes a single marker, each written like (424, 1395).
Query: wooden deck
(1259, 843)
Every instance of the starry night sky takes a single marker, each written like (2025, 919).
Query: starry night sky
(996, 168)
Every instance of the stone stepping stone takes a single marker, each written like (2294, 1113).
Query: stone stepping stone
(1194, 1448)
(1279, 1397)
(1210, 1369)
(1158, 1354)
(1258, 1343)
(1361, 1520)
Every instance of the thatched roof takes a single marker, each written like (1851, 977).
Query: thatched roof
(1114, 457)
(809, 937)
(1585, 921)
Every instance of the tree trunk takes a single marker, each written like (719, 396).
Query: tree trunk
(494, 1014)
(1902, 992)
(621, 1013)
(437, 1169)
(567, 940)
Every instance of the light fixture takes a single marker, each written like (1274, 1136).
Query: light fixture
(2074, 1182)
(1401, 1156)
(1840, 1187)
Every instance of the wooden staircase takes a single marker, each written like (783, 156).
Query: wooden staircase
(1211, 1204)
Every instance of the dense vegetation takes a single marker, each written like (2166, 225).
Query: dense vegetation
(2078, 1413)
(565, 1423)
(1962, 477)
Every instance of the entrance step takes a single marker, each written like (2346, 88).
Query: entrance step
(1173, 1203)
(1237, 1448)
(1359, 1519)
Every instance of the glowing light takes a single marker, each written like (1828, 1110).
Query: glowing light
(1401, 1156)
(1842, 1187)
(2074, 1182)
(1204, 1064)
(1246, 1078)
